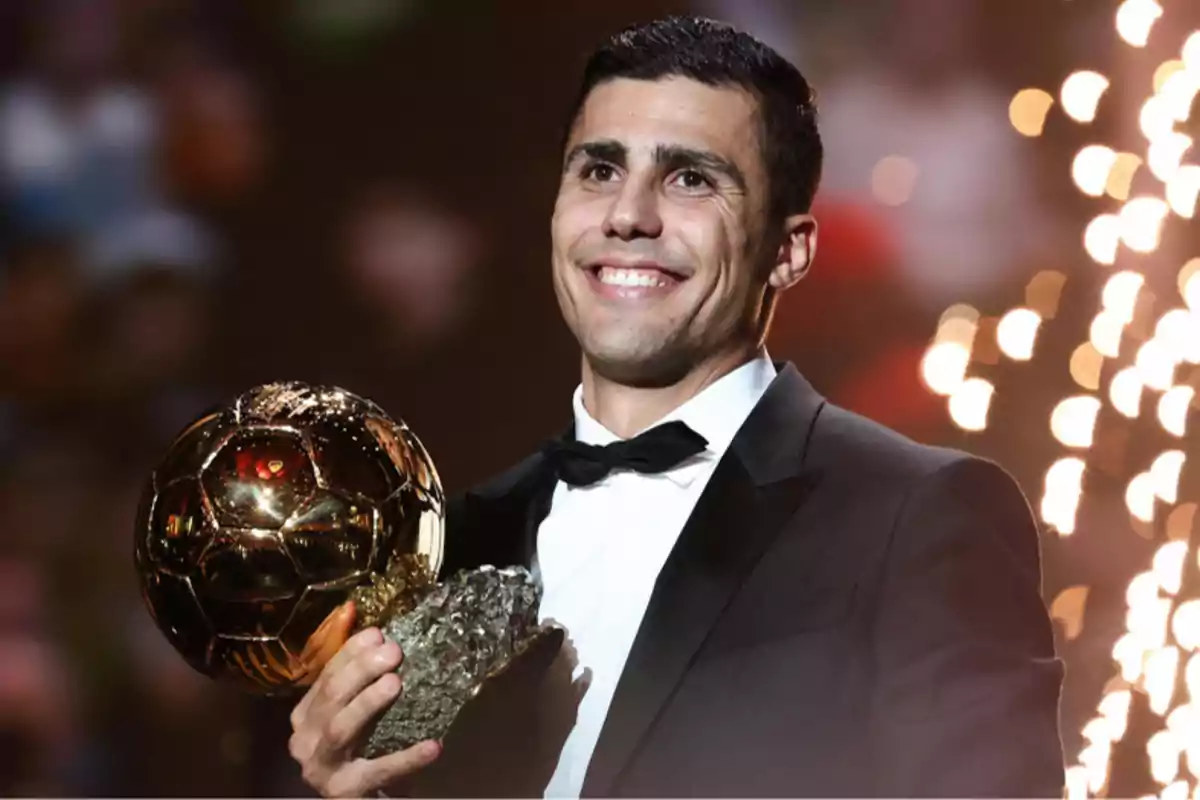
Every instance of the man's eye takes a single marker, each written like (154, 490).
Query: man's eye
(599, 172)
(692, 179)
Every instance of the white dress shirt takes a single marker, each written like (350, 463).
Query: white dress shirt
(601, 547)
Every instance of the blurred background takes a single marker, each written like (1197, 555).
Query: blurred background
(198, 196)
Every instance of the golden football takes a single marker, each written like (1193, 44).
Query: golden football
(264, 516)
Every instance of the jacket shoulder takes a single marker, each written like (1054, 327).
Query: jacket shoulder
(843, 441)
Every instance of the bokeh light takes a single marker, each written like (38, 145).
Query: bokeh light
(1073, 420)
(1165, 71)
(1166, 154)
(1125, 392)
(1141, 221)
(1120, 294)
(1016, 333)
(1102, 237)
(1164, 472)
(944, 367)
(1087, 364)
(1183, 187)
(1121, 175)
(1081, 93)
(1189, 284)
(1156, 118)
(1028, 111)
(1091, 168)
(1173, 409)
(970, 402)
(1139, 497)
(893, 180)
(1135, 18)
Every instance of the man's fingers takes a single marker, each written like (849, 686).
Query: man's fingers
(341, 685)
(318, 693)
(363, 640)
(363, 778)
(347, 725)
(379, 772)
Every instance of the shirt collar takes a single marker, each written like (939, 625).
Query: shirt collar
(716, 413)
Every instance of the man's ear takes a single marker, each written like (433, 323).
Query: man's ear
(796, 252)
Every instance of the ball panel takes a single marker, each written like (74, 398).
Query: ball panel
(175, 610)
(258, 478)
(261, 666)
(247, 583)
(424, 473)
(179, 527)
(407, 456)
(187, 454)
(248, 564)
(405, 516)
(315, 606)
(241, 618)
(331, 537)
(351, 460)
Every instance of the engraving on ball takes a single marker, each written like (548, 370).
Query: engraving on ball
(263, 516)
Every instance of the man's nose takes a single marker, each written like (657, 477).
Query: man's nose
(634, 213)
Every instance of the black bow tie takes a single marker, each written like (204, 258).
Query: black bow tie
(656, 450)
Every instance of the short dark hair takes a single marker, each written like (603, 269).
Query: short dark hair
(717, 54)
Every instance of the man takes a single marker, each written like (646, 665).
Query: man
(798, 601)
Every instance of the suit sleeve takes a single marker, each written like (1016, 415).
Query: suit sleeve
(967, 683)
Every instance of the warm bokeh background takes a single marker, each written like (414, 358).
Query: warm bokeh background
(199, 196)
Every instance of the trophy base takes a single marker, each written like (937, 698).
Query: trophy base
(459, 635)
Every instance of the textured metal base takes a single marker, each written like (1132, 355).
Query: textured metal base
(458, 635)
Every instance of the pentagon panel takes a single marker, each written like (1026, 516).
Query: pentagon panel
(331, 537)
(258, 478)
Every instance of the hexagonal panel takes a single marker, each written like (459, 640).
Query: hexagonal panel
(247, 584)
(315, 606)
(191, 447)
(179, 527)
(404, 517)
(351, 460)
(262, 665)
(331, 537)
(258, 478)
(408, 457)
(175, 610)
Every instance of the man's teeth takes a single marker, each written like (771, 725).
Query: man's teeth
(631, 277)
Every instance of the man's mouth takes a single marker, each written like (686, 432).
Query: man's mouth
(636, 276)
(633, 282)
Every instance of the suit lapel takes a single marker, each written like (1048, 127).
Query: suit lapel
(755, 489)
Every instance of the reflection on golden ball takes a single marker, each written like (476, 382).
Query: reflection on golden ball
(265, 515)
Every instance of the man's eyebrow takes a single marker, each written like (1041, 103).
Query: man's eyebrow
(608, 150)
(674, 157)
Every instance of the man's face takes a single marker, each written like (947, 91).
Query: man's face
(658, 229)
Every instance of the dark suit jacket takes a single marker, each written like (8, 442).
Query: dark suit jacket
(846, 612)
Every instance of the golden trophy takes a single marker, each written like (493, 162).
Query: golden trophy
(265, 516)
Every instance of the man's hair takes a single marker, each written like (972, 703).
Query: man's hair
(717, 54)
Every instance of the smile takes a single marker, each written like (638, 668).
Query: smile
(632, 283)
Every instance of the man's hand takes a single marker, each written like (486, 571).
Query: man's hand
(358, 683)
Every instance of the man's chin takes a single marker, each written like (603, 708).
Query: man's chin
(643, 369)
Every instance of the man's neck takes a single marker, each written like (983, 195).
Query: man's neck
(626, 410)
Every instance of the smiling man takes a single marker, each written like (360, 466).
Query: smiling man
(767, 595)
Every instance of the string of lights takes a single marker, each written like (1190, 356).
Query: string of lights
(1150, 362)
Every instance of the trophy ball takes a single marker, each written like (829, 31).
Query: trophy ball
(265, 515)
